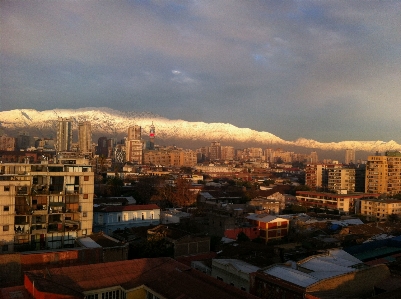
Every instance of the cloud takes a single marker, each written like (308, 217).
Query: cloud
(292, 68)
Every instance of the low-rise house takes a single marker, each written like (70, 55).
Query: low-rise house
(111, 218)
(270, 227)
(234, 272)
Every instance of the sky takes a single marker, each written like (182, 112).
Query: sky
(322, 70)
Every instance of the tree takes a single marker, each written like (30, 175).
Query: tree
(114, 186)
(393, 218)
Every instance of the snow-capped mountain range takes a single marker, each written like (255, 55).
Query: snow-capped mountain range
(109, 122)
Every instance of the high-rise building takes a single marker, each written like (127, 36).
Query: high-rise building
(314, 176)
(341, 179)
(84, 137)
(350, 156)
(102, 148)
(215, 151)
(134, 145)
(64, 135)
(45, 206)
(227, 153)
(383, 174)
(7, 143)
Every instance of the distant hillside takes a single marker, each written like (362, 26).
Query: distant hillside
(113, 123)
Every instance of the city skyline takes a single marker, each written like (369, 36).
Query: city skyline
(328, 71)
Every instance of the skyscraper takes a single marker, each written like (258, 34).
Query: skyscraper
(349, 156)
(134, 146)
(64, 134)
(84, 137)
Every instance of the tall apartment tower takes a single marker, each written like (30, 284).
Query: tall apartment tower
(64, 135)
(350, 156)
(215, 151)
(152, 137)
(45, 206)
(383, 174)
(84, 137)
(134, 146)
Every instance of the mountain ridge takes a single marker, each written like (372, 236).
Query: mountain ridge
(108, 121)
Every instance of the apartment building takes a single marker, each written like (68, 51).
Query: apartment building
(314, 176)
(7, 143)
(346, 203)
(170, 157)
(383, 174)
(64, 134)
(134, 145)
(341, 178)
(380, 209)
(45, 206)
(84, 137)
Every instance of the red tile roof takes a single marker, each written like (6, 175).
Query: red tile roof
(165, 276)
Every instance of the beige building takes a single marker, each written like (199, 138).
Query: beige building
(314, 175)
(134, 145)
(383, 174)
(341, 178)
(227, 153)
(85, 137)
(380, 209)
(45, 206)
(170, 157)
(7, 143)
(64, 135)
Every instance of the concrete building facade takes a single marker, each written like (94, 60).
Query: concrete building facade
(383, 174)
(45, 206)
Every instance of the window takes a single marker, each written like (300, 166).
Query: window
(219, 278)
(85, 214)
(6, 228)
(6, 208)
(86, 178)
(4, 248)
(6, 188)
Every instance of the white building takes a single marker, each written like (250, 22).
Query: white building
(111, 218)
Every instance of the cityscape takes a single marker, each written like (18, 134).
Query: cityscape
(253, 219)
(200, 149)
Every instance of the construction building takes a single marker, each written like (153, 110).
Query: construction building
(134, 145)
(64, 135)
(84, 137)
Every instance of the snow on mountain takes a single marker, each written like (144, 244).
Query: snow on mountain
(109, 122)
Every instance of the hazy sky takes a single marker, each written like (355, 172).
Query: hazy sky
(325, 70)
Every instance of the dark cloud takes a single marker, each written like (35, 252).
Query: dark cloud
(327, 70)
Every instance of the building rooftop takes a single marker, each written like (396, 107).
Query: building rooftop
(108, 209)
(164, 276)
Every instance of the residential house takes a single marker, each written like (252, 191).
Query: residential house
(270, 227)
